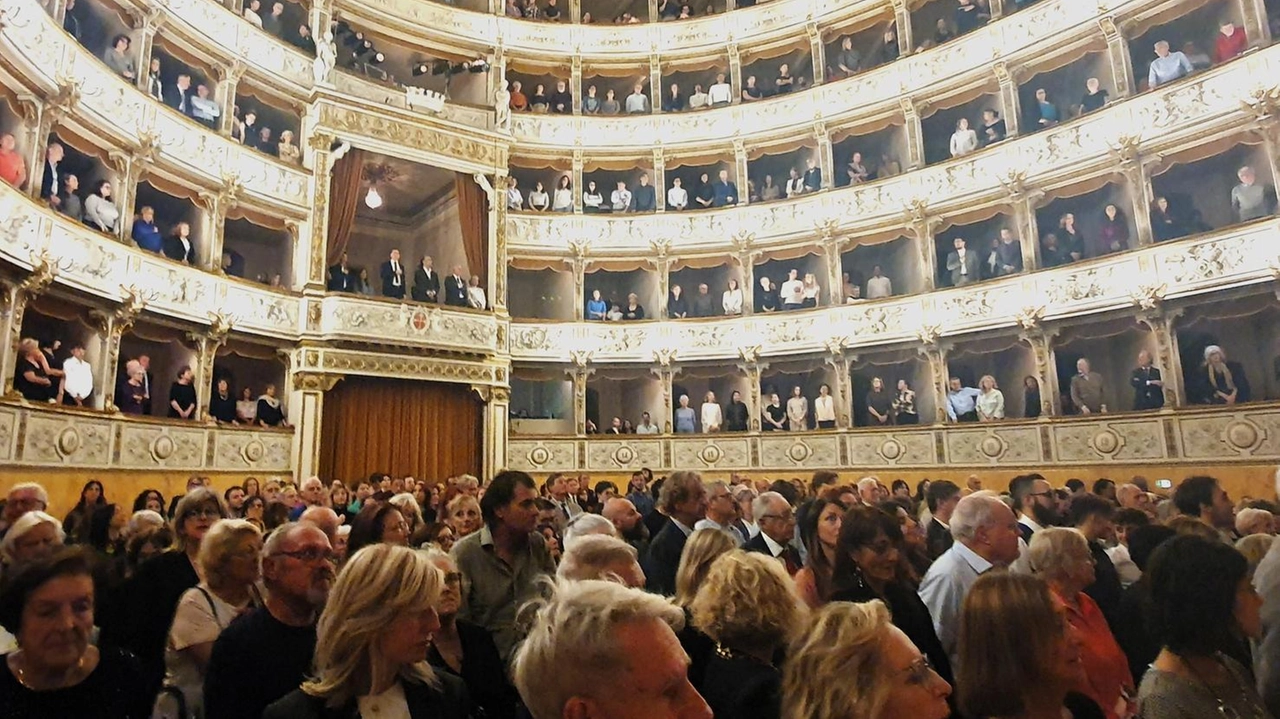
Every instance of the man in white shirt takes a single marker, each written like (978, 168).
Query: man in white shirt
(792, 292)
(646, 425)
(637, 102)
(721, 92)
(621, 198)
(698, 99)
(677, 196)
(878, 286)
(77, 379)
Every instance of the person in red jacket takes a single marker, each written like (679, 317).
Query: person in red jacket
(1231, 42)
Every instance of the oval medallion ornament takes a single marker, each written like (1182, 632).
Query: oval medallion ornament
(991, 446)
(891, 449)
(68, 441)
(624, 455)
(539, 456)
(799, 452)
(254, 451)
(1107, 442)
(162, 447)
(1242, 434)
(710, 454)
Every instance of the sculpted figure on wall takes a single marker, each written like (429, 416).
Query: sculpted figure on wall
(326, 58)
(502, 108)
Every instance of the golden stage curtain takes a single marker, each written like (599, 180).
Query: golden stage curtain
(430, 430)
(344, 198)
(473, 212)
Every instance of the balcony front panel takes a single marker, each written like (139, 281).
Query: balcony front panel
(349, 318)
(1177, 116)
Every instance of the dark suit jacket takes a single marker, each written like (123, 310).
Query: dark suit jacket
(663, 559)
(49, 181)
(174, 250)
(388, 289)
(455, 291)
(756, 544)
(173, 97)
(939, 539)
(971, 261)
(447, 702)
(483, 671)
(426, 289)
(1146, 396)
(341, 280)
(741, 688)
(1025, 532)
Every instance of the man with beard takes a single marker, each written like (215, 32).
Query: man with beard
(1034, 501)
(628, 521)
(266, 653)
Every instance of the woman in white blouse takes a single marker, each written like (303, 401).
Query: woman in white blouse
(733, 298)
(824, 408)
(712, 417)
(539, 201)
(99, 210)
(515, 200)
(811, 291)
(990, 399)
(475, 294)
(964, 140)
(797, 411)
(562, 201)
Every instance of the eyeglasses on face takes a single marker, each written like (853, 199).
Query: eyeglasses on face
(920, 672)
(204, 513)
(311, 555)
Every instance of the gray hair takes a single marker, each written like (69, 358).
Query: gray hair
(408, 506)
(761, 505)
(585, 525)
(43, 494)
(278, 536)
(1250, 516)
(578, 626)
(189, 502)
(1053, 549)
(218, 545)
(866, 482)
(595, 556)
(974, 512)
(142, 519)
(24, 524)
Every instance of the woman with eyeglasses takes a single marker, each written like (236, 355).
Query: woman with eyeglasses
(153, 593)
(850, 661)
(466, 650)
(229, 564)
(867, 567)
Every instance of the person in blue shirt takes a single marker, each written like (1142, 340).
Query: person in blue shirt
(145, 233)
(725, 193)
(962, 402)
(1047, 114)
(1168, 66)
(597, 308)
(686, 419)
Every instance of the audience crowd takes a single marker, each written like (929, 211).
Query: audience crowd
(674, 597)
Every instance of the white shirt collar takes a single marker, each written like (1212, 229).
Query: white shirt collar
(774, 548)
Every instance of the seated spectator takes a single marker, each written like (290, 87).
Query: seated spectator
(519, 101)
(512, 9)
(770, 191)
(704, 194)
(1051, 254)
(117, 58)
(591, 198)
(1221, 381)
(531, 10)
(677, 196)
(182, 395)
(145, 233)
(698, 99)
(251, 13)
(637, 101)
(673, 101)
(287, 151)
(1230, 43)
(538, 101)
(1249, 200)
(1165, 225)
(784, 82)
(203, 108)
(1046, 113)
(620, 199)
(645, 198)
(848, 60)
(1167, 67)
(964, 140)
(270, 413)
(721, 93)
(13, 167)
(610, 106)
(178, 246)
(1095, 98)
(539, 200)
(1115, 229)
(993, 128)
(751, 91)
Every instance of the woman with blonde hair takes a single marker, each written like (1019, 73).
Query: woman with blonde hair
(463, 514)
(749, 608)
(990, 402)
(850, 661)
(372, 642)
(703, 547)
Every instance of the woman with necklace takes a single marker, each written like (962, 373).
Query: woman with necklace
(1204, 610)
(57, 672)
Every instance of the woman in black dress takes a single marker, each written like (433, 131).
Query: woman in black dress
(774, 417)
(222, 405)
(182, 395)
(879, 404)
(32, 376)
(1031, 397)
(269, 412)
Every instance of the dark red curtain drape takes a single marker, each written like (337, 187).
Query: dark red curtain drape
(430, 430)
(344, 198)
(473, 212)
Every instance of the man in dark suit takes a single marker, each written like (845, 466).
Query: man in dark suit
(49, 185)
(777, 522)
(1148, 388)
(964, 264)
(426, 282)
(1035, 504)
(178, 95)
(942, 497)
(725, 193)
(455, 288)
(393, 277)
(341, 278)
(683, 500)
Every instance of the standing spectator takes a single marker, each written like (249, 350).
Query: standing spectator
(1148, 387)
(797, 410)
(1231, 42)
(1088, 389)
(117, 58)
(13, 167)
(1095, 98)
(274, 22)
(270, 413)
(645, 197)
(964, 140)
(686, 418)
(720, 92)
(990, 402)
(32, 377)
(1249, 200)
(392, 272)
(77, 377)
(637, 102)
(178, 246)
(145, 233)
(712, 416)
(182, 395)
(68, 201)
(683, 499)
(677, 196)
(1167, 67)
(251, 13)
(50, 187)
(562, 198)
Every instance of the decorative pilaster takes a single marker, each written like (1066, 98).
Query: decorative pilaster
(496, 272)
(997, 8)
(206, 344)
(655, 71)
(578, 185)
(832, 245)
(111, 326)
(746, 257)
(818, 51)
(936, 354)
(497, 413)
(1040, 341)
(826, 157)
(58, 10)
(735, 72)
(662, 265)
(1256, 29)
(902, 24)
(665, 371)
(130, 167)
(1010, 104)
(914, 131)
(579, 262)
(1118, 56)
(741, 172)
(1130, 163)
(321, 163)
(14, 306)
(306, 410)
(752, 367)
(579, 374)
(146, 21)
(653, 10)
(225, 94)
(1162, 321)
(575, 72)
(921, 225)
(40, 116)
(839, 361)
(1023, 199)
(660, 178)
(216, 205)
(1264, 102)
(575, 10)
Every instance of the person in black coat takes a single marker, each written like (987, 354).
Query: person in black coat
(373, 628)
(455, 288)
(392, 272)
(178, 245)
(178, 95)
(1148, 387)
(341, 277)
(426, 282)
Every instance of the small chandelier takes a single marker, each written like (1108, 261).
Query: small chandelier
(376, 174)
(372, 199)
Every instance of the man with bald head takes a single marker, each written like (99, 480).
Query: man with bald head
(324, 519)
(311, 492)
(455, 288)
(628, 521)
(1148, 387)
(1131, 496)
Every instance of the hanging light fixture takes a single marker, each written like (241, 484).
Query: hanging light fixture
(377, 174)
(372, 199)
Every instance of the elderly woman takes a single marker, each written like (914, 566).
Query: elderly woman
(372, 643)
(58, 672)
(1254, 521)
(1062, 558)
(1222, 381)
(34, 535)
(409, 509)
(850, 661)
(32, 378)
(749, 608)
(228, 561)
(466, 650)
(463, 514)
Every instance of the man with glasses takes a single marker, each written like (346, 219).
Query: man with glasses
(23, 498)
(266, 653)
(777, 528)
(1034, 500)
(722, 512)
